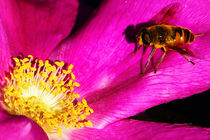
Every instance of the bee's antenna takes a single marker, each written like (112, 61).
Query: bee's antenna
(197, 35)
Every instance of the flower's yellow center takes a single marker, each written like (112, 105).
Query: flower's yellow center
(44, 92)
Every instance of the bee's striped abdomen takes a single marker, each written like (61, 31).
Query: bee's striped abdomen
(181, 35)
(188, 36)
(177, 30)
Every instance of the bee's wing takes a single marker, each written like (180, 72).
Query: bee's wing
(183, 49)
(168, 15)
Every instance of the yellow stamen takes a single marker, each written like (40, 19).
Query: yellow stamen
(44, 93)
(59, 132)
(6, 79)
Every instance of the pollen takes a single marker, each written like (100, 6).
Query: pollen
(44, 92)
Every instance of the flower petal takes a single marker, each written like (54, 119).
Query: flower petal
(4, 54)
(140, 130)
(3, 115)
(36, 27)
(109, 74)
(19, 128)
(133, 95)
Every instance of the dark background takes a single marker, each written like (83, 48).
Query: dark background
(193, 110)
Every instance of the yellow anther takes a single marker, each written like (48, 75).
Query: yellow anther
(76, 95)
(61, 101)
(64, 71)
(6, 100)
(15, 59)
(31, 57)
(6, 79)
(33, 69)
(89, 123)
(25, 60)
(70, 67)
(84, 101)
(91, 110)
(12, 76)
(70, 82)
(59, 64)
(72, 76)
(82, 117)
(76, 84)
(63, 89)
(53, 68)
(67, 101)
(47, 62)
(71, 88)
(41, 63)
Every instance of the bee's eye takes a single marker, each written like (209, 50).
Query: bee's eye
(146, 38)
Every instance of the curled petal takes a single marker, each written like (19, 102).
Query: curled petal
(37, 26)
(19, 128)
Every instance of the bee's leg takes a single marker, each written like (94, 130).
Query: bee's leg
(161, 59)
(137, 48)
(188, 59)
(148, 60)
(153, 62)
(141, 62)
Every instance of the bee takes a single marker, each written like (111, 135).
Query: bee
(162, 35)
(165, 37)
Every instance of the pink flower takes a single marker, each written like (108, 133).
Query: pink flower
(106, 70)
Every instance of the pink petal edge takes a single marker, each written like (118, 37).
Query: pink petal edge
(141, 130)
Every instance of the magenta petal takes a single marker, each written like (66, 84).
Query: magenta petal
(4, 53)
(21, 128)
(137, 94)
(139, 130)
(4, 115)
(36, 27)
(109, 74)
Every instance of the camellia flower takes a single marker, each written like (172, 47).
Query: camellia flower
(111, 88)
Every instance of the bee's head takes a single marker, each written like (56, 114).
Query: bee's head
(143, 37)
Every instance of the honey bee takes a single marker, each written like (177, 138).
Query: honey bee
(167, 38)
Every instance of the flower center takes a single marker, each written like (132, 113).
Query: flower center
(44, 92)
